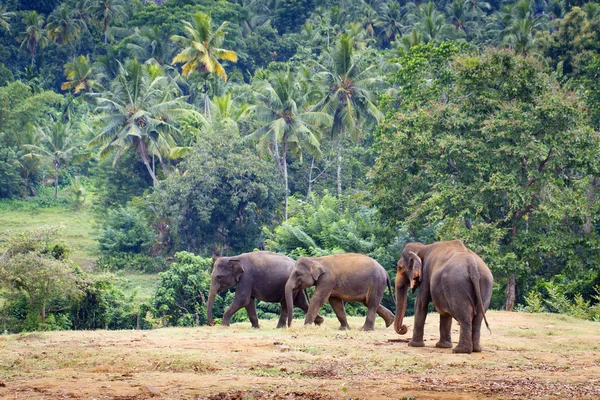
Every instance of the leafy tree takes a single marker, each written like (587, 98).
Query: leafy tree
(182, 290)
(140, 110)
(45, 279)
(34, 35)
(11, 182)
(221, 199)
(350, 97)
(284, 121)
(201, 44)
(496, 164)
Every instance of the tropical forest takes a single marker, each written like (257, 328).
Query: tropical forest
(140, 140)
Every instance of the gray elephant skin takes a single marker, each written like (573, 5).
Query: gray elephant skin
(258, 275)
(457, 281)
(338, 278)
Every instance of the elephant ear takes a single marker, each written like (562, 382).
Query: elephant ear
(237, 268)
(417, 270)
(316, 270)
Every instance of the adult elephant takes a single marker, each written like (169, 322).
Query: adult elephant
(338, 278)
(258, 275)
(458, 282)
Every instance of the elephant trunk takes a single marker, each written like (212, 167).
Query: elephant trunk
(211, 299)
(401, 299)
(289, 301)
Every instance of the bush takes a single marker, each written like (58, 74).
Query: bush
(182, 291)
(125, 230)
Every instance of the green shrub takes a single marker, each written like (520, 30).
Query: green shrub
(131, 262)
(125, 231)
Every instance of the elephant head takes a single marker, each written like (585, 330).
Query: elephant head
(409, 272)
(305, 274)
(227, 271)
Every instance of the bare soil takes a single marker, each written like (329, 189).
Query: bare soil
(528, 356)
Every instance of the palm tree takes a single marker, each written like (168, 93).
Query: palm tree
(35, 34)
(5, 17)
(81, 12)
(59, 144)
(389, 22)
(62, 28)
(107, 12)
(431, 23)
(140, 110)
(150, 43)
(202, 50)
(78, 74)
(285, 123)
(349, 99)
(518, 25)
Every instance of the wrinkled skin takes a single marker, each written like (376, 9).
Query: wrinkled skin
(457, 281)
(259, 275)
(338, 278)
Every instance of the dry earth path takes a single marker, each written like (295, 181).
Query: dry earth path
(528, 356)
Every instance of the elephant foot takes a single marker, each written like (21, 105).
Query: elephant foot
(462, 349)
(256, 326)
(416, 343)
(319, 320)
(477, 348)
(280, 326)
(224, 323)
(344, 328)
(387, 324)
(443, 345)
(367, 328)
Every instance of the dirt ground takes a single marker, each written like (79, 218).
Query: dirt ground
(527, 356)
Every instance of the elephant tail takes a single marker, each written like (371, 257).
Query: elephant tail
(475, 276)
(389, 285)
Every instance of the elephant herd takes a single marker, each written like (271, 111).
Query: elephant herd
(455, 278)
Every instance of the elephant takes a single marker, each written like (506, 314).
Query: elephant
(338, 278)
(258, 275)
(457, 281)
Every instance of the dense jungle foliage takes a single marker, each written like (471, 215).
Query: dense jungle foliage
(199, 128)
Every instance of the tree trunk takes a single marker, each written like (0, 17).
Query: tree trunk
(509, 302)
(56, 167)
(285, 178)
(310, 181)
(591, 198)
(339, 166)
(142, 151)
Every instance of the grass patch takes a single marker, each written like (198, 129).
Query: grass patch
(77, 232)
(142, 286)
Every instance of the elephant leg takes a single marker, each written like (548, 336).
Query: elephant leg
(421, 304)
(319, 298)
(282, 315)
(251, 310)
(238, 302)
(338, 307)
(386, 314)
(302, 303)
(445, 332)
(477, 320)
(370, 319)
(465, 342)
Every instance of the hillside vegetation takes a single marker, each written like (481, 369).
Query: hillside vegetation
(161, 134)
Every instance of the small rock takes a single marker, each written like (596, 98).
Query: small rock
(150, 390)
(2, 384)
(284, 347)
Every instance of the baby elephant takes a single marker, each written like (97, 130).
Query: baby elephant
(340, 277)
(259, 275)
(456, 280)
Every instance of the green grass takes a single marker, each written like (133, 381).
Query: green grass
(142, 285)
(77, 232)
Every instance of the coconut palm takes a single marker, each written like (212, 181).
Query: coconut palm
(34, 35)
(389, 22)
(285, 123)
(430, 23)
(107, 12)
(62, 28)
(521, 26)
(201, 44)
(58, 145)
(140, 109)
(150, 43)
(5, 17)
(78, 74)
(82, 13)
(349, 100)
